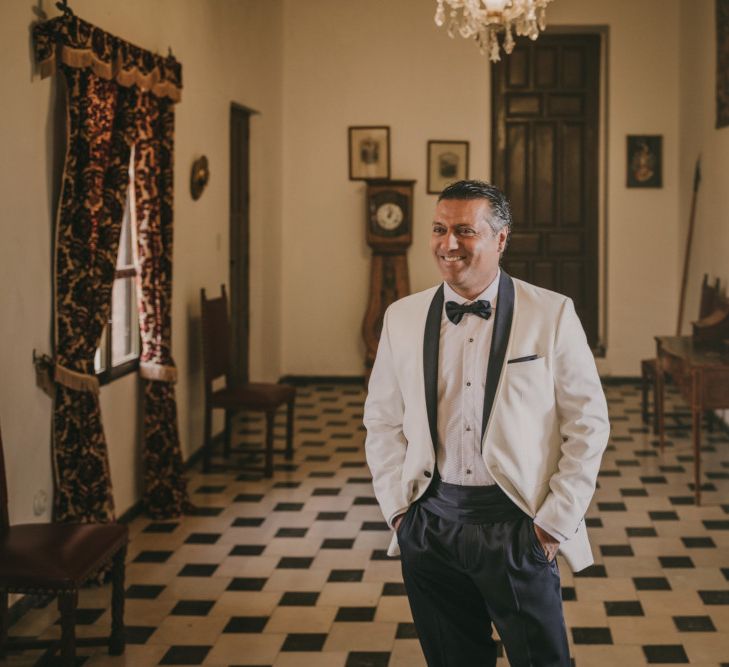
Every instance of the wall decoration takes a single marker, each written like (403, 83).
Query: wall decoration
(199, 177)
(447, 162)
(722, 63)
(645, 161)
(369, 153)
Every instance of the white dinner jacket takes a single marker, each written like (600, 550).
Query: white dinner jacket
(545, 415)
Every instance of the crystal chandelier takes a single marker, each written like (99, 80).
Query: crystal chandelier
(484, 19)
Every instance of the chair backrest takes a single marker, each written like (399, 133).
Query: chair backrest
(4, 518)
(215, 336)
(710, 297)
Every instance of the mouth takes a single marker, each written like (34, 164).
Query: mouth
(452, 259)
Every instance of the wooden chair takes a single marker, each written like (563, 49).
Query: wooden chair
(708, 300)
(57, 559)
(262, 397)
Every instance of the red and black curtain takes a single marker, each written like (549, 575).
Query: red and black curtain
(120, 102)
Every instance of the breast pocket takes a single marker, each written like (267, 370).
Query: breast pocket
(529, 387)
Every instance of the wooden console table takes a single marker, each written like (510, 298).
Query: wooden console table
(701, 372)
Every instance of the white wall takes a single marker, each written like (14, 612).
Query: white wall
(699, 136)
(387, 64)
(230, 51)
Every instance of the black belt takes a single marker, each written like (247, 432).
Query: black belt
(469, 504)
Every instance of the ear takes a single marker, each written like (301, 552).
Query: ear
(502, 236)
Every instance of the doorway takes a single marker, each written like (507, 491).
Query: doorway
(545, 115)
(240, 239)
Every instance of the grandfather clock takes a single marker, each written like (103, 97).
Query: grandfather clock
(389, 234)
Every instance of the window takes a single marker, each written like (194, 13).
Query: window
(118, 352)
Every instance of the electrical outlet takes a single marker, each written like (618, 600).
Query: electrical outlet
(40, 503)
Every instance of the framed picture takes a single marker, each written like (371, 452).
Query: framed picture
(369, 153)
(645, 161)
(447, 162)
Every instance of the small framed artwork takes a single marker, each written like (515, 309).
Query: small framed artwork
(447, 162)
(645, 161)
(369, 153)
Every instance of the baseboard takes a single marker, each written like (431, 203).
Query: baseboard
(303, 380)
(620, 379)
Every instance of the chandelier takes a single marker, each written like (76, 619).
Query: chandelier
(484, 19)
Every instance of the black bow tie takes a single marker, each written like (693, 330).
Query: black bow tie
(456, 311)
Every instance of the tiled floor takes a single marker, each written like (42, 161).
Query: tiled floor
(292, 571)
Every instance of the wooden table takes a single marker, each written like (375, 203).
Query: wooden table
(701, 372)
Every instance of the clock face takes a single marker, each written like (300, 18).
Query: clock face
(389, 216)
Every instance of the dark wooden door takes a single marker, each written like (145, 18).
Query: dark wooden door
(545, 157)
(239, 239)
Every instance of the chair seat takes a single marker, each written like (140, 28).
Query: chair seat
(256, 395)
(56, 555)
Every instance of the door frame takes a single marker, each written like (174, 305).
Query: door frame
(239, 246)
(603, 32)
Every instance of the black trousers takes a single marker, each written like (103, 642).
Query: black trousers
(462, 577)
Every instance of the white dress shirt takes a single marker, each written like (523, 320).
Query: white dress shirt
(462, 363)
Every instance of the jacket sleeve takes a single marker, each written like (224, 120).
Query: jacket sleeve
(584, 426)
(385, 444)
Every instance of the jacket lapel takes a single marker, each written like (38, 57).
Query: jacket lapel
(499, 343)
(431, 345)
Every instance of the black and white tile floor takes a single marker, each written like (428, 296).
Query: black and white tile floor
(292, 571)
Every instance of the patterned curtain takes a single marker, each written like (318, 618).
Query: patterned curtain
(165, 492)
(119, 98)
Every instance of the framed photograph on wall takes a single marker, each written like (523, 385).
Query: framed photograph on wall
(645, 161)
(369, 152)
(447, 162)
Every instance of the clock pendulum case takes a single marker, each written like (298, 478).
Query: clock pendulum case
(389, 234)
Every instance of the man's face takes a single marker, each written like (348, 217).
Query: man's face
(465, 247)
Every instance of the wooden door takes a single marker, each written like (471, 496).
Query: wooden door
(545, 157)
(239, 239)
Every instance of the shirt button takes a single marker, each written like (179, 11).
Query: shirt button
(468, 428)
(468, 472)
(470, 340)
(427, 473)
(468, 384)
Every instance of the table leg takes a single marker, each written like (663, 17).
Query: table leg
(659, 400)
(696, 414)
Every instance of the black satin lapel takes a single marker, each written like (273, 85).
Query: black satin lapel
(499, 343)
(431, 345)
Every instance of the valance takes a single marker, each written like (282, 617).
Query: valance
(79, 44)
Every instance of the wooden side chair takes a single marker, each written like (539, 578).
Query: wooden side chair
(261, 397)
(57, 559)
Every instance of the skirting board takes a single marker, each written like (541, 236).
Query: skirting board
(303, 380)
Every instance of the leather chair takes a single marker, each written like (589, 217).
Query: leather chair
(257, 396)
(57, 559)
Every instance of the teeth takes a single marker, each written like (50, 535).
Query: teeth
(452, 259)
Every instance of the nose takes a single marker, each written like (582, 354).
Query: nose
(450, 241)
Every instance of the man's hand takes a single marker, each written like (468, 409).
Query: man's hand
(396, 521)
(549, 544)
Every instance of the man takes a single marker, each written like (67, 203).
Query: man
(486, 423)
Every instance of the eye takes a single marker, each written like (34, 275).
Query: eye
(438, 229)
(466, 231)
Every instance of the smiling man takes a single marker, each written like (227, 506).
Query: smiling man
(486, 423)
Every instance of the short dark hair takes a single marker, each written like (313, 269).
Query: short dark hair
(500, 209)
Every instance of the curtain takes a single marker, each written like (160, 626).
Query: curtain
(119, 99)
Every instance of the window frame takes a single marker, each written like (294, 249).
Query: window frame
(109, 372)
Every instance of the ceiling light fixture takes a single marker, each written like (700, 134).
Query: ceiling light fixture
(483, 20)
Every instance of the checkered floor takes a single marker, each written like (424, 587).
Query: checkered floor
(292, 571)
